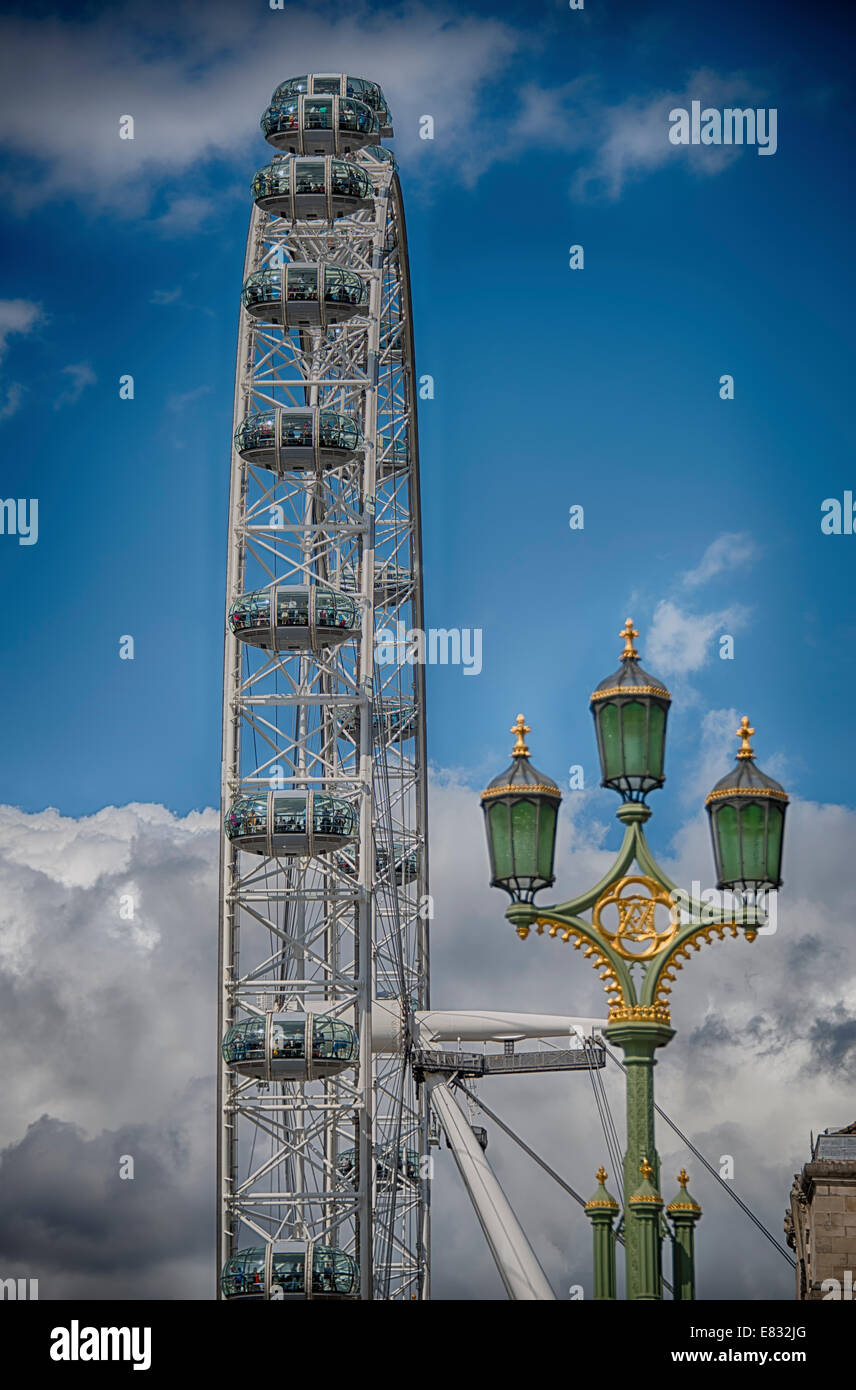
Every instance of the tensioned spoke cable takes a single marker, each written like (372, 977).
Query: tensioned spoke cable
(610, 1133)
(566, 1186)
(756, 1221)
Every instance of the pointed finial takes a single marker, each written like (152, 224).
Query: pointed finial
(520, 727)
(745, 733)
(646, 1170)
(601, 1174)
(683, 1177)
(628, 632)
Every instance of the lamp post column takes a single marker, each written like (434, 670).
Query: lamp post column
(601, 1210)
(684, 1211)
(638, 1042)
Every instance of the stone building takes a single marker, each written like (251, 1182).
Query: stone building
(820, 1224)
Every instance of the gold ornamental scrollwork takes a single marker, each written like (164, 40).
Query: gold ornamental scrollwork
(637, 925)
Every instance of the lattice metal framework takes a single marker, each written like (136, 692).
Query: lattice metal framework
(330, 932)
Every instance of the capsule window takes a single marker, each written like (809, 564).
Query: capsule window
(302, 284)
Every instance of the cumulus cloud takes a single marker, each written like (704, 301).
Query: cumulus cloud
(80, 376)
(13, 401)
(18, 316)
(197, 97)
(107, 1029)
(681, 642)
(731, 551)
(195, 79)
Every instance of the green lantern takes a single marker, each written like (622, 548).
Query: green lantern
(630, 709)
(520, 809)
(747, 823)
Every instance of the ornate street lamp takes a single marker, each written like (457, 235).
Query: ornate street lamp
(747, 823)
(630, 709)
(637, 929)
(520, 810)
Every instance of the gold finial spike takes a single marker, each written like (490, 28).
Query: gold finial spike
(601, 1174)
(522, 932)
(683, 1177)
(628, 632)
(745, 733)
(646, 1170)
(520, 727)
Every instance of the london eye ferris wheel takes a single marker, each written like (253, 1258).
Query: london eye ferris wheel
(324, 1083)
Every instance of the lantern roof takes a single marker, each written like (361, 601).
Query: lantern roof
(684, 1202)
(521, 776)
(745, 778)
(630, 678)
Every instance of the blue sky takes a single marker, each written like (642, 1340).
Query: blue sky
(553, 387)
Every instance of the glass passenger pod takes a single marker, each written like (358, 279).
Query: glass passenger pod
(381, 154)
(392, 582)
(305, 294)
(405, 859)
(392, 455)
(305, 188)
(393, 720)
(297, 437)
(277, 1271)
(290, 1047)
(319, 125)
(339, 84)
(385, 1167)
(307, 617)
(278, 824)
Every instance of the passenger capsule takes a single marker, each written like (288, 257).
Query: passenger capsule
(393, 720)
(319, 125)
(305, 295)
(303, 189)
(385, 1166)
(405, 861)
(290, 1047)
(381, 154)
(338, 84)
(307, 617)
(290, 823)
(278, 1272)
(391, 582)
(295, 437)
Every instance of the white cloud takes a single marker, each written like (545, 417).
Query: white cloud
(81, 375)
(730, 551)
(12, 403)
(165, 296)
(108, 1026)
(18, 316)
(680, 642)
(198, 96)
(633, 136)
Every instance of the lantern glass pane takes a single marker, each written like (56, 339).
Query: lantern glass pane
(524, 820)
(752, 826)
(635, 739)
(612, 766)
(500, 838)
(546, 832)
(656, 739)
(774, 843)
(729, 844)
